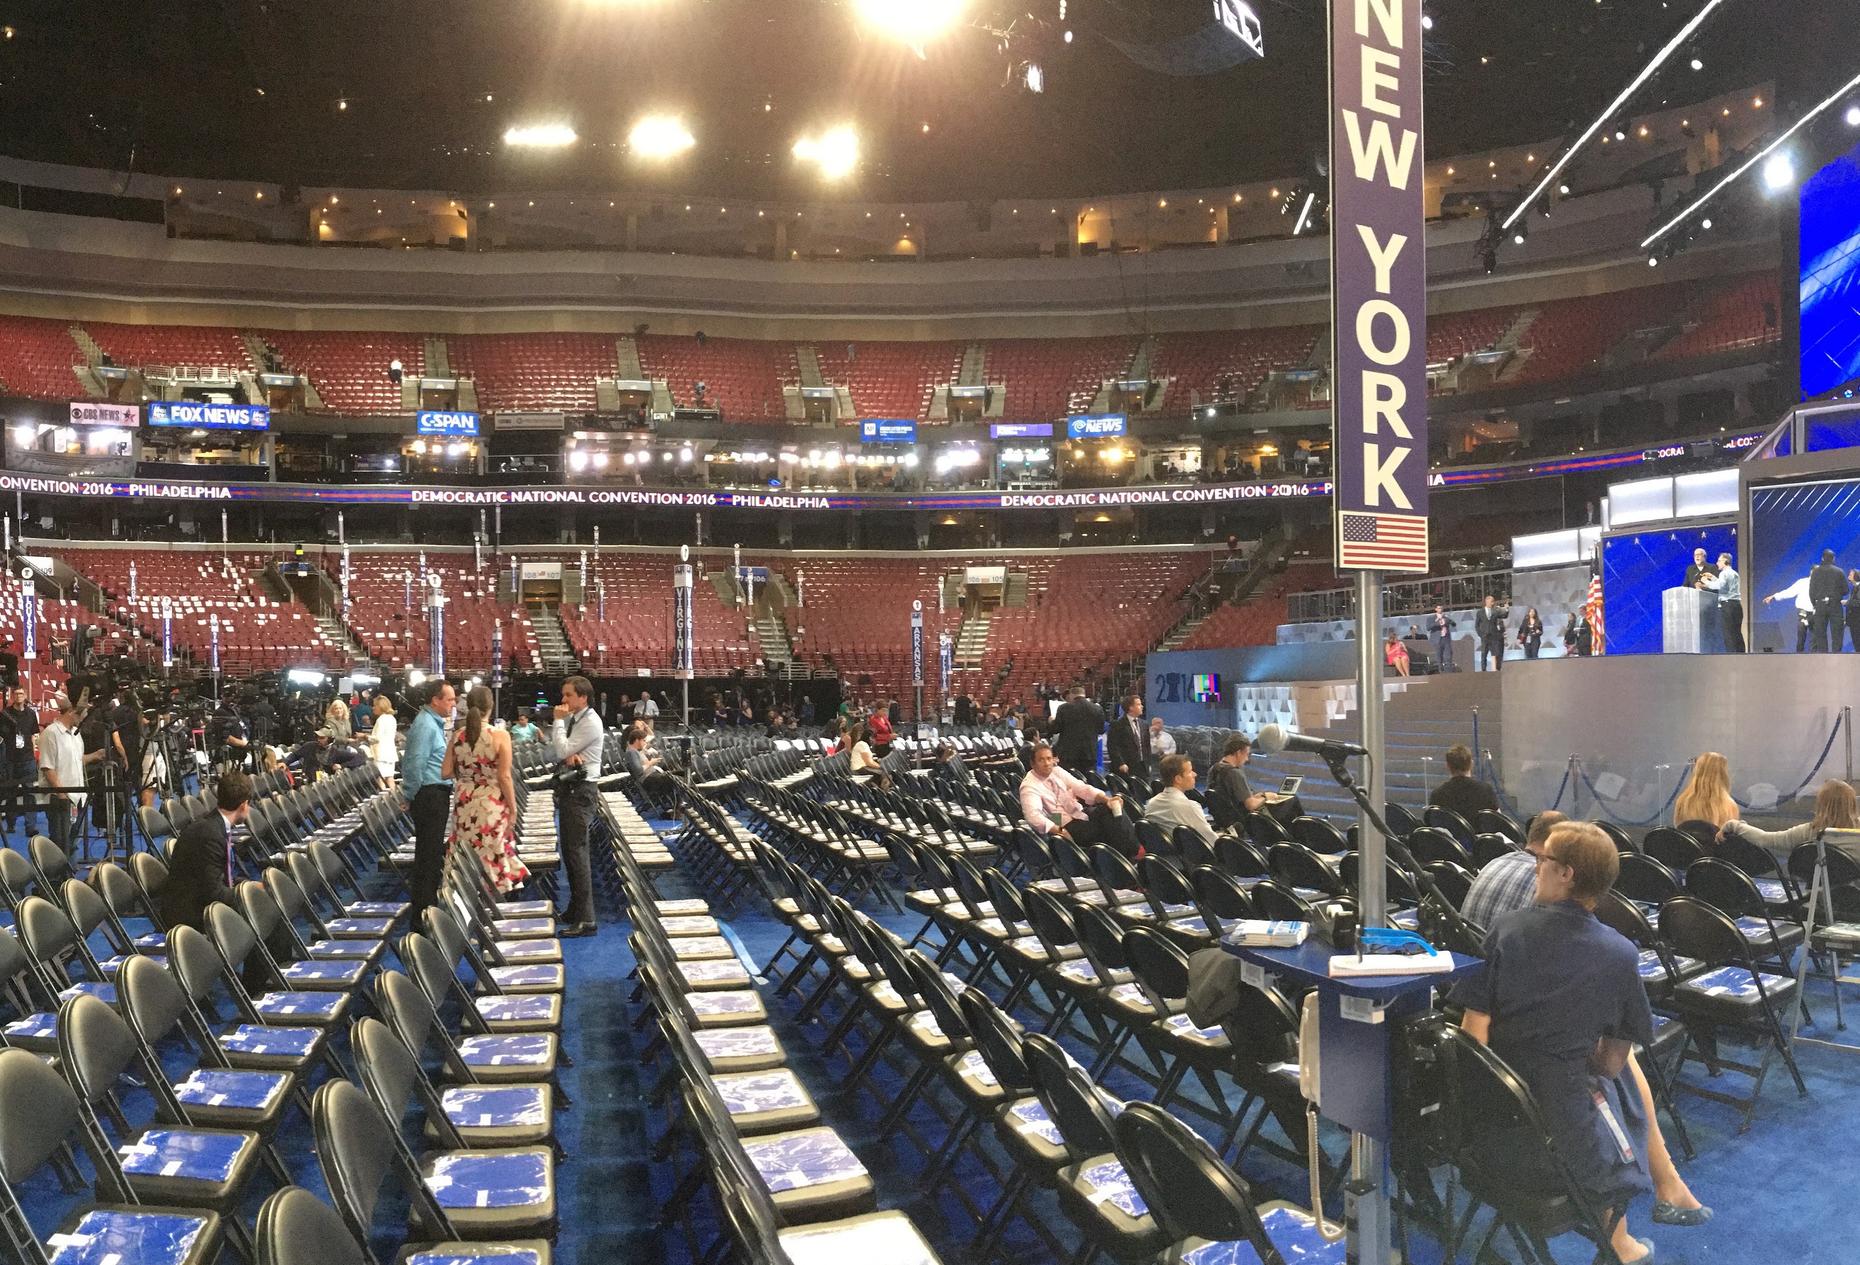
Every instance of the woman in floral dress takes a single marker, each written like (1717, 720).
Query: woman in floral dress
(478, 763)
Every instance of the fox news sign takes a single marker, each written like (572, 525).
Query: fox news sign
(194, 415)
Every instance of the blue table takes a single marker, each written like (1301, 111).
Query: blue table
(1355, 1079)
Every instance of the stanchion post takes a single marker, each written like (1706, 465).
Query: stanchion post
(1847, 736)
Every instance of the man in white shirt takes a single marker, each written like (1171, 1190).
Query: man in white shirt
(62, 761)
(1171, 807)
(1804, 610)
(577, 739)
(646, 708)
(1053, 802)
(1162, 742)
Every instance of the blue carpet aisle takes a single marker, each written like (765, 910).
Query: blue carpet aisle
(1777, 1190)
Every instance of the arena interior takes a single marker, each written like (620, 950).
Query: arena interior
(706, 630)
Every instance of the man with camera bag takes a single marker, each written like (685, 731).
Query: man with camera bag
(428, 796)
(577, 739)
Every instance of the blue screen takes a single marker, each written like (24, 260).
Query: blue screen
(1638, 569)
(1792, 523)
(1830, 279)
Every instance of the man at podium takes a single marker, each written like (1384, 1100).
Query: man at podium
(1726, 583)
(1699, 569)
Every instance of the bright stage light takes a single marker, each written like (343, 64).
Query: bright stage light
(835, 151)
(540, 136)
(1853, 116)
(914, 22)
(1778, 173)
(659, 136)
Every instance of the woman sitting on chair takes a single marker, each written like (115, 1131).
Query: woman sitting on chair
(1562, 1003)
(1395, 654)
(1707, 796)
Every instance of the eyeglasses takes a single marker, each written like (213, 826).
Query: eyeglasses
(1551, 857)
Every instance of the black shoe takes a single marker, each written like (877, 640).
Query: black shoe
(575, 930)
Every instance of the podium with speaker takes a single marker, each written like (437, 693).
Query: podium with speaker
(1690, 622)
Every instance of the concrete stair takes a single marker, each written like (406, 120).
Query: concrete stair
(771, 635)
(338, 632)
(552, 641)
(626, 353)
(972, 640)
(438, 357)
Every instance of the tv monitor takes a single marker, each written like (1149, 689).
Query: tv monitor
(1206, 687)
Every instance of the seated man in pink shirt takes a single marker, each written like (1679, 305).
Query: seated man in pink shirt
(1053, 802)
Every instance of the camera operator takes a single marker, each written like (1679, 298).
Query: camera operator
(263, 720)
(577, 738)
(19, 765)
(321, 754)
(229, 738)
(127, 737)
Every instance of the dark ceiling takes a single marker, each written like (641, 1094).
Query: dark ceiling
(250, 88)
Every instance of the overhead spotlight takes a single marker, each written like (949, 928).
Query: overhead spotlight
(1698, 63)
(1562, 191)
(913, 22)
(1522, 234)
(342, 103)
(1853, 115)
(1068, 37)
(1705, 224)
(1653, 261)
(835, 151)
(1427, 21)
(1620, 134)
(1778, 172)
(659, 136)
(1034, 79)
(540, 136)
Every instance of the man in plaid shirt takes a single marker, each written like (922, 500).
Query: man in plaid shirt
(1510, 882)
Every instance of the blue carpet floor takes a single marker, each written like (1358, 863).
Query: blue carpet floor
(1779, 1190)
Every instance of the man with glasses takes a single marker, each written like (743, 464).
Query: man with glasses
(577, 738)
(1562, 1003)
(1509, 882)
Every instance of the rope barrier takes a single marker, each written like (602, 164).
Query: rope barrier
(1801, 786)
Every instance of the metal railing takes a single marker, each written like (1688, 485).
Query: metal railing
(1414, 597)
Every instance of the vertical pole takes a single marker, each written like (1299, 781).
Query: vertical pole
(1371, 1240)
(1847, 736)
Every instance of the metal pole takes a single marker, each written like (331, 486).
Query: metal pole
(1371, 1240)
(1847, 736)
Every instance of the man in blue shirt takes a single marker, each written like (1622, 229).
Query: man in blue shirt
(427, 795)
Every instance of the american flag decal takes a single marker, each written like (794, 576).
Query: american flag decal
(1384, 542)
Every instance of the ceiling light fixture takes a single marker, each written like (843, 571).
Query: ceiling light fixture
(913, 22)
(835, 151)
(1568, 156)
(540, 136)
(1761, 156)
(660, 136)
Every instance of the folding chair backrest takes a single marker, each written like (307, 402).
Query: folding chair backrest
(1672, 848)
(996, 1041)
(297, 1228)
(17, 877)
(150, 873)
(1070, 1098)
(95, 1046)
(1189, 1189)
(232, 934)
(153, 1001)
(50, 860)
(357, 1150)
(38, 1111)
(45, 930)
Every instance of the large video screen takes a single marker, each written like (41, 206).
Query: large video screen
(1791, 524)
(1637, 570)
(1830, 278)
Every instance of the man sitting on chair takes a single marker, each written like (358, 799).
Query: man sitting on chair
(1171, 808)
(1052, 801)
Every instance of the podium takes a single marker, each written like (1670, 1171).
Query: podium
(1690, 622)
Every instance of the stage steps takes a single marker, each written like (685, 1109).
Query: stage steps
(1422, 718)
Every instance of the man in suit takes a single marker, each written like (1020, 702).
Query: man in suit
(1827, 588)
(200, 872)
(1075, 729)
(1489, 629)
(1127, 745)
(1440, 625)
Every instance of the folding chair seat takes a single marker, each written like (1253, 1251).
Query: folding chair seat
(494, 1012)
(271, 933)
(122, 896)
(324, 943)
(1095, 1191)
(493, 1059)
(459, 1196)
(294, 1007)
(751, 1214)
(808, 1174)
(457, 1117)
(517, 978)
(258, 1043)
(1732, 992)
(1203, 1206)
(39, 1115)
(1732, 891)
(170, 1161)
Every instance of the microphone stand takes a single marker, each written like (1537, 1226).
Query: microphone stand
(1432, 898)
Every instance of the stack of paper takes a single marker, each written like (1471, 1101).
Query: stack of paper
(1264, 933)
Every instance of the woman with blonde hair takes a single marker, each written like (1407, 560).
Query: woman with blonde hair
(1707, 796)
(337, 719)
(478, 764)
(381, 746)
(1837, 817)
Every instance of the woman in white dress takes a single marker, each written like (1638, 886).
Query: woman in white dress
(381, 738)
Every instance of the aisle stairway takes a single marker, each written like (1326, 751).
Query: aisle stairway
(771, 635)
(338, 632)
(557, 656)
(972, 640)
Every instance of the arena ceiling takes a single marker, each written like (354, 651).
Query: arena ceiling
(418, 93)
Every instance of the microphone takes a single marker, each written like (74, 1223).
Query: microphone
(1276, 738)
